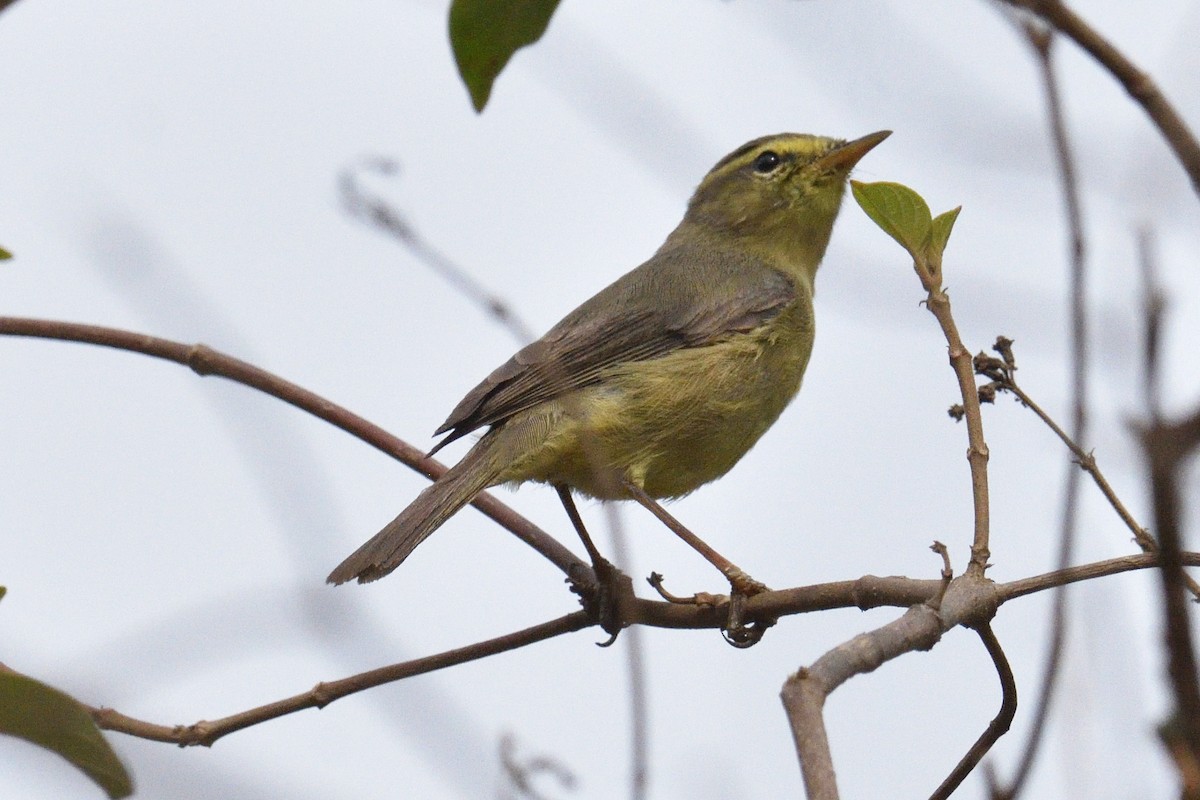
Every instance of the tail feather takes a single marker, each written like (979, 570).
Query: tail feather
(387, 549)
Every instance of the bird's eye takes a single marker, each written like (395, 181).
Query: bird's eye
(767, 160)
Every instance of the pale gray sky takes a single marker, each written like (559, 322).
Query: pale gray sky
(172, 168)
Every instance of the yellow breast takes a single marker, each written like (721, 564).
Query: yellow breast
(670, 424)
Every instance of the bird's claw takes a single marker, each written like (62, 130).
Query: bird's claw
(600, 593)
(737, 632)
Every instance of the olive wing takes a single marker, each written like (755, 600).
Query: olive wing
(675, 300)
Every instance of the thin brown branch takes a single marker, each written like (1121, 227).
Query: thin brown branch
(970, 600)
(1137, 83)
(204, 360)
(1086, 572)
(207, 732)
(1087, 462)
(1004, 379)
(973, 608)
(938, 303)
(999, 724)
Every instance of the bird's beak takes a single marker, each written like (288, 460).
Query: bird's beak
(846, 156)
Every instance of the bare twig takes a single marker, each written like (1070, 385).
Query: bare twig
(1003, 377)
(999, 724)
(970, 600)
(1086, 572)
(947, 574)
(206, 733)
(1137, 83)
(1005, 380)
(938, 303)
(387, 218)
(971, 607)
(204, 360)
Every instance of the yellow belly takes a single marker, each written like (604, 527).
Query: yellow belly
(669, 424)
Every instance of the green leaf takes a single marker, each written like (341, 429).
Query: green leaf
(942, 225)
(484, 34)
(45, 716)
(900, 211)
(4, 254)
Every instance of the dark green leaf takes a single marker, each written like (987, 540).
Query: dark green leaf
(942, 225)
(45, 716)
(4, 254)
(900, 211)
(484, 34)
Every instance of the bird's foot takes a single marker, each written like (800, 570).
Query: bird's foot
(738, 631)
(602, 592)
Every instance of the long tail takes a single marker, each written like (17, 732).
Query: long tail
(385, 551)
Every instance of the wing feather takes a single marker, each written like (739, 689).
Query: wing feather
(683, 297)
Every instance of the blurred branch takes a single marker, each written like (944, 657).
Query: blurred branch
(1154, 304)
(522, 773)
(1041, 41)
(1168, 447)
(1137, 83)
(204, 360)
(387, 218)
(635, 651)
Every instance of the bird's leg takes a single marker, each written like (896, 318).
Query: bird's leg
(608, 577)
(742, 586)
(741, 582)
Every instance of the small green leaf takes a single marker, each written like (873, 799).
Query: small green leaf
(48, 718)
(484, 34)
(942, 225)
(900, 211)
(4, 254)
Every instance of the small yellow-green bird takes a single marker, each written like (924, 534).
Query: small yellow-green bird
(666, 378)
